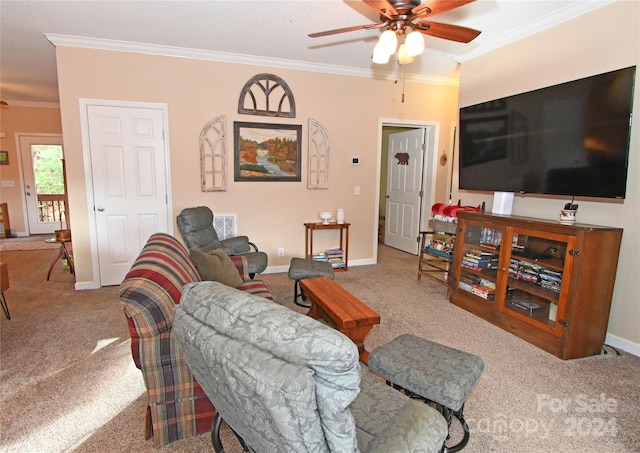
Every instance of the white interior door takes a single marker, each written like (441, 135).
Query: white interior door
(404, 189)
(39, 221)
(129, 183)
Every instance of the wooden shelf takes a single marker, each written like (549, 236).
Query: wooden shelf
(310, 228)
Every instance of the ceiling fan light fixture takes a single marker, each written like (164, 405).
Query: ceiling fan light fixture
(414, 43)
(379, 55)
(409, 19)
(388, 42)
(403, 57)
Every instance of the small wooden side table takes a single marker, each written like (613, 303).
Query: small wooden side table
(63, 255)
(344, 239)
(341, 310)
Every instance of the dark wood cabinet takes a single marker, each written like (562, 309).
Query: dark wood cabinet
(548, 283)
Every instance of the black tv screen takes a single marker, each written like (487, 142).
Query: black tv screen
(568, 139)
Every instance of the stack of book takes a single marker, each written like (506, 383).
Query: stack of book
(484, 290)
(335, 257)
(479, 260)
(483, 287)
(479, 286)
(321, 257)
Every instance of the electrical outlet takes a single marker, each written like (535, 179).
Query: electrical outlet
(356, 190)
(281, 251)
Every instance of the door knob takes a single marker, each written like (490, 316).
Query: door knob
(29, 193)
(100, 208)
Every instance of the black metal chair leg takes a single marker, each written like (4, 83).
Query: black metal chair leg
(5, 307)
(465, 429)
(215, 434)
(297, 292)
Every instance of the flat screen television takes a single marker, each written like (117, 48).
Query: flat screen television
(567, 139)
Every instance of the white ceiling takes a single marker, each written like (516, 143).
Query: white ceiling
(227, 30)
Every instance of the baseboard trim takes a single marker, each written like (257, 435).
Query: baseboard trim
(622, 343)
(81, 286)
(276, 269)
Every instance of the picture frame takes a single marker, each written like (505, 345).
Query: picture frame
(4, 157)
(267, 152)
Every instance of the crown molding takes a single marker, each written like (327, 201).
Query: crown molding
(225, 57)
(573, 10)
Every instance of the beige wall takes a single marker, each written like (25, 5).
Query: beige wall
(270, 213)
(598, 42)
(19, 120)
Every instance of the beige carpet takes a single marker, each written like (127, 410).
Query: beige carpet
(36, 242)
(68, 382)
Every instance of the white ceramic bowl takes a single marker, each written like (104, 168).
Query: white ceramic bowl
(326, 216)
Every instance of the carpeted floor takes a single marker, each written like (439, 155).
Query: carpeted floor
(68, 382)
(33, 242)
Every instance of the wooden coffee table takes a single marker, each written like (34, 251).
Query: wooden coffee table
(340, 309)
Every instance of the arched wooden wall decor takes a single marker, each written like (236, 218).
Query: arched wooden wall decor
(267, 95)
(213, 156)
(318, 177)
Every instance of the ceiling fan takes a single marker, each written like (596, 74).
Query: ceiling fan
(410, 19)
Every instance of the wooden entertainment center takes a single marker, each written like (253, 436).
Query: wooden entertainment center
(549, 283)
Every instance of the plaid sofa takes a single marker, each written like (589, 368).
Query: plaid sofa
(177, 407)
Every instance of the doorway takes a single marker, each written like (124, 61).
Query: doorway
(43, 178)
(128, 184)
(407, 182)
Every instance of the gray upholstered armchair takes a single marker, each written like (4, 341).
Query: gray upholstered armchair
(285, 382)
(196, 227)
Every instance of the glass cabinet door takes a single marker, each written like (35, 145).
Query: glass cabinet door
(536, 281)
(479, 262)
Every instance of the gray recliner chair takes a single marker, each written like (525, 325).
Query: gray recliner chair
(196, 227)
(285, 382)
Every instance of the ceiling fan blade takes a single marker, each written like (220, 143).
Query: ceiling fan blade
(383, 7)
(346, 29)
(432, 7)
(447, 31)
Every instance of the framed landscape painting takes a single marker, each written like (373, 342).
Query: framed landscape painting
(267, 152)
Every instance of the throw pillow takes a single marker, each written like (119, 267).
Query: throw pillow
(216, 266)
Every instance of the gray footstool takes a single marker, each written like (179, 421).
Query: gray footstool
(430, 371)
(301, 268)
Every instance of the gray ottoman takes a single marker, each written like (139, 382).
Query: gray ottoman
(432, 372)
(301, 268)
